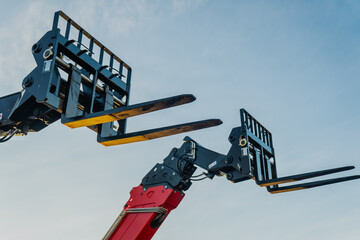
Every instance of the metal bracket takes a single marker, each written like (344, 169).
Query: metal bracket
(159, 210)
(72, 100)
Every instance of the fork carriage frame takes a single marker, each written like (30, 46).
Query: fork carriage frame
(83, 83)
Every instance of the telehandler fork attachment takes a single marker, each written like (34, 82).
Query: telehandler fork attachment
(256, 141)
(82, 82)
(251, 156)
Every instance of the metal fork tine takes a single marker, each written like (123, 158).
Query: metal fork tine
(157, 132)
(311, 184)
(303, 176)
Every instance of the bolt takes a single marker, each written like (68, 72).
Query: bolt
(229, 176)
(243, 142)
(36, 48)
(48, 54)
(229, 160)
(27, 82)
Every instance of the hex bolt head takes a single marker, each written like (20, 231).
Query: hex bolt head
(229, 176)
(27, 82)
(36, 48)
(229, 160)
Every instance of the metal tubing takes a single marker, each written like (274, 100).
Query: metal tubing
(66, 67)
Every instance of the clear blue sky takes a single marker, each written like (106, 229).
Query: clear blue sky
(293, 64)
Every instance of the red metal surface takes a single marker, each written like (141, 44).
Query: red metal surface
(136, 226)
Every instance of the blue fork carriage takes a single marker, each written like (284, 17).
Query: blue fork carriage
(256, 146)
(85, 84)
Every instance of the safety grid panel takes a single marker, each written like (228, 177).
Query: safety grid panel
(260, 144)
